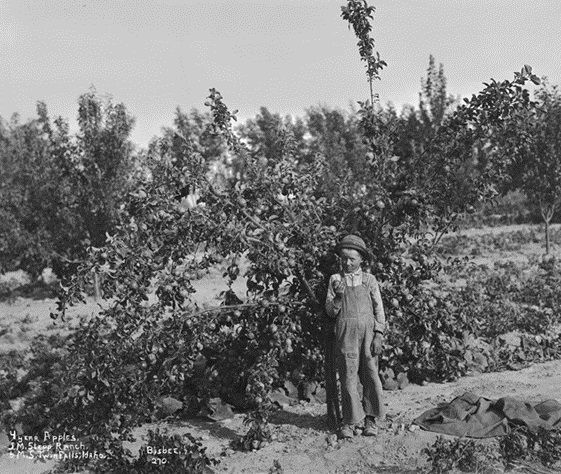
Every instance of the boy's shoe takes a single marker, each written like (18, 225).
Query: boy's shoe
(346, 432)
(370, 428)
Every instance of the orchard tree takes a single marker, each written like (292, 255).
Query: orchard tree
(416, 127)
(61, 193)
(336, 135)
(541, 158)
(268, 134)
(40, 223)
(434, 100)
(448, 176)
(102, 167)
(193, 128)
(21, 148)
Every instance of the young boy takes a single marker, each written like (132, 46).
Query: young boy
(354, 301)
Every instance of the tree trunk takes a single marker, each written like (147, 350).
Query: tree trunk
(97, 287)
(330, 367)
(547, 214)
(547, 237)
(331, 389)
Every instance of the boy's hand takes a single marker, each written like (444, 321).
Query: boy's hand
(338, 288)
(377, 344)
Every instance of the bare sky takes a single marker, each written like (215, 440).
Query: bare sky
(284, 54)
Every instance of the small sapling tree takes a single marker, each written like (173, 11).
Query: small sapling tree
(542, 155)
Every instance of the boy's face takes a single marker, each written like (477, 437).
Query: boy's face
(351, 260)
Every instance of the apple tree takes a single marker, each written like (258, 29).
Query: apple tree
(285, 224)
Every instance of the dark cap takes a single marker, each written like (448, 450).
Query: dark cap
(354, 242)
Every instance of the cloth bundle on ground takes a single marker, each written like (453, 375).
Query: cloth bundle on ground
(477, 417)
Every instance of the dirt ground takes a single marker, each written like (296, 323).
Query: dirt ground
(302, 441)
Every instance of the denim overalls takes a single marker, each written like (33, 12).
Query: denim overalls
(354, 331)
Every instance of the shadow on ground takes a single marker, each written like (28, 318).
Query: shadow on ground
(301, 420)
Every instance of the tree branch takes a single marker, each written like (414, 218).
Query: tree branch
(308, 288)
